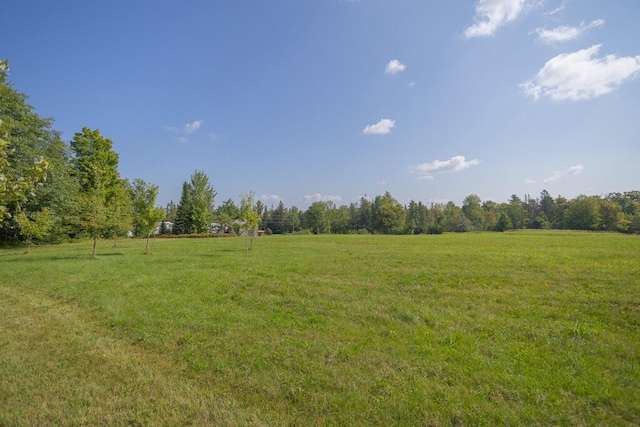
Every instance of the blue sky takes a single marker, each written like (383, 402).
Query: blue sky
(305, 100)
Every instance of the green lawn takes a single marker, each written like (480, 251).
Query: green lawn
(531, 328)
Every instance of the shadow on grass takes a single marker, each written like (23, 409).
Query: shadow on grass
(41, 258)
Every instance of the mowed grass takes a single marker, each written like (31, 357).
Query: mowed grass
(531, 328)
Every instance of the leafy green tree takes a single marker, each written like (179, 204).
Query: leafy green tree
(120, 215)
(24, 138)
(388, 216)
(38, 225)
(277, 219)
(472, 209)
(96, 169)
(295, 220)
(417, 215)
(365, 214)
(226, 214)
(146, 214)
(316, 219)
(612, 216)
(583, 213)
(454, 220)
(339, 219)
(504, 222)
(517, 213)
(435, 218)
(491, 214)
(203, 196)
(249, 217)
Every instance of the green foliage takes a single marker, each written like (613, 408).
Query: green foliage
(316, 218)
(183, 221)
(388, 215)
(120, 218)
(250, 218)
(203, 195)
(20, 171)
(504, 222)
(472, 210)
(96, 170)
(195, 209)
(37, 226)
(583, 213)
(146, 214)
(30, 148)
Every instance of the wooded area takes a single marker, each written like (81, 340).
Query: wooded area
(54, 191)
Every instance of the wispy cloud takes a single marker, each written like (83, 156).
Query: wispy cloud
(270, 198)
(558, 176)
(185, 130)
(320, 198)
(190, 128)
(412, 84)
(566, 33)
(394, 66)
(384, 126)
(579, 76)
(425, 171)
(556, 10)
(491, 15)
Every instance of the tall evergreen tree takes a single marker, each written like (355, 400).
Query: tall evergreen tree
(203, 196)
(182, 224)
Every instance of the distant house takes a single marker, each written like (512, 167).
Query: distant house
(167, 224)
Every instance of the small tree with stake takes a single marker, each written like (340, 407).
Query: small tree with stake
(146, 214)
(250, 218)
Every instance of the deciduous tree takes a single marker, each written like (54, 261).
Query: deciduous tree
(96, 169)
(36, 225)
(249, 217)
(146, 214)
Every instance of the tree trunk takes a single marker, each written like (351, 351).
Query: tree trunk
(95, 244)
(147, 249)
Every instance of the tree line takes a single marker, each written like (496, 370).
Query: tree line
(619, 212)
(52, 191)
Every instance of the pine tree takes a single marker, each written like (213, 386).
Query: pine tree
(182, 224)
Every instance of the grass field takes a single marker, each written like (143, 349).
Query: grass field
(531, 328)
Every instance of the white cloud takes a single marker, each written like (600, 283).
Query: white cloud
(566, 33)
(573, 170)
(270, 198)
(556, 10)
(384, 126)
(189, 128)
(394, 66)
(530, 181)
(578, 75)
(412, 84)
(320, 198)
(186, 130)
(492, 14)
(426, 171)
